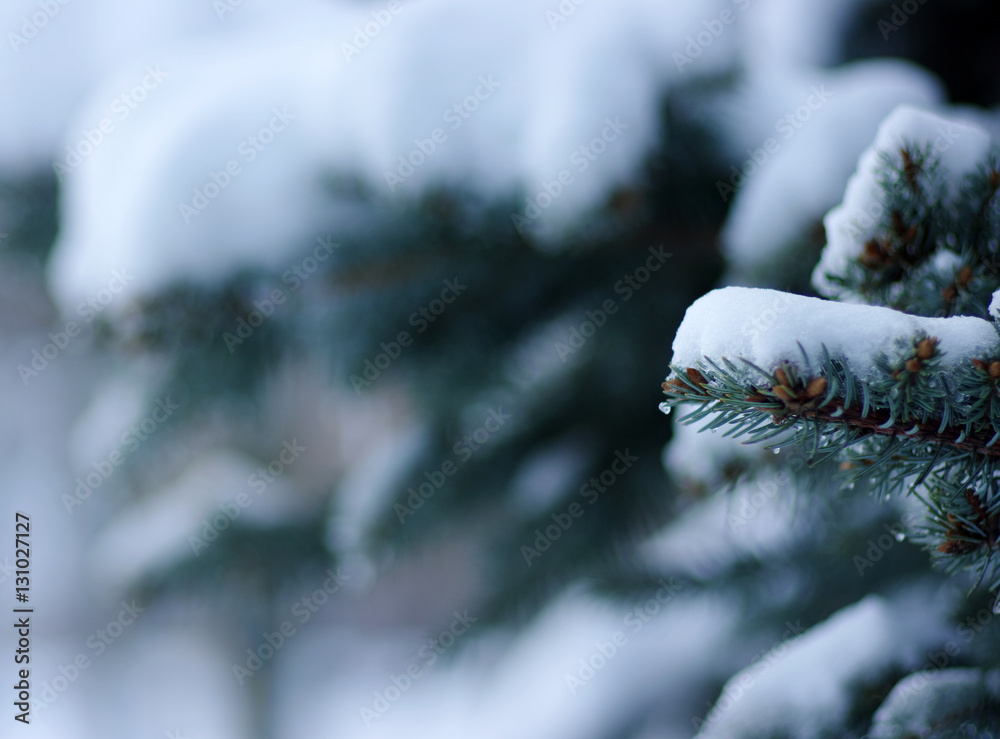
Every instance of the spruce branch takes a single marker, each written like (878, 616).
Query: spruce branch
(907, 401)
(834, 413)
(913, 418)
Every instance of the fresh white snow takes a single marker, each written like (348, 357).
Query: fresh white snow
(185, 517)
(766, 327)
(209, 82)
(962, 148)
(554, 672)
(224, 163)
(802, 685)
(919, 702)
(796, 170)
(757, 518)
(994, 308)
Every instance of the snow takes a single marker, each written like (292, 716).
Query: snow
(33, 452)
(756, 519)
(994, 308)
(549, 473)
(803, 685)
(370, 485)
(781, 199)
(962, 148)
(797, 32)
(114, 406)
(670, 650)
(168, 683)
(765, 327)
(701, 458)
(922, 701)
(133, 204)
(223, 77)
(84, 42)
(158, 531)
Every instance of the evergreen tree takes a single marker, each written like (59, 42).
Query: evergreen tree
(894, 384)
(521, 446)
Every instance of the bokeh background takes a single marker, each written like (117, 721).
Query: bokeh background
(332, 337)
